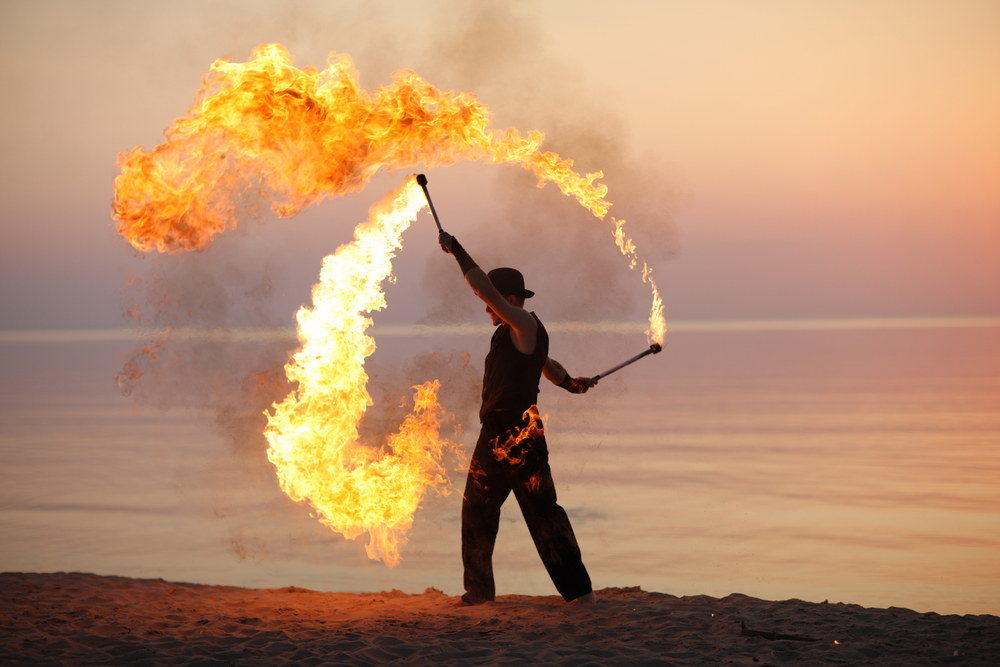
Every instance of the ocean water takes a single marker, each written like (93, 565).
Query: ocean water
(859, 465)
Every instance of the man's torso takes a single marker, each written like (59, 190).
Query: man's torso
(510, 379)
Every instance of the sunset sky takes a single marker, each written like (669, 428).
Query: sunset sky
(776, 159)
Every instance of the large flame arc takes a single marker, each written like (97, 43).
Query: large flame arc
(266, 131)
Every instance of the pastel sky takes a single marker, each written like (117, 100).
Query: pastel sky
(776, 159)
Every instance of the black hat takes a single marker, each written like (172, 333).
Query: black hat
(509, 282)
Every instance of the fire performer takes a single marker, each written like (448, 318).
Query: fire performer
(511, 454)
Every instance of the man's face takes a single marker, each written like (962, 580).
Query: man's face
(493, 316)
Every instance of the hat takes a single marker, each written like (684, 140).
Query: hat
(509, 282)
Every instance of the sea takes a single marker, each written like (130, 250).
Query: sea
(852, 461)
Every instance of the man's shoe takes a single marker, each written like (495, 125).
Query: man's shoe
(470, 600)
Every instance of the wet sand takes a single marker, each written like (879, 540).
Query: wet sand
(85, 619)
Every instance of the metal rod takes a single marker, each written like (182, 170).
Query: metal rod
(422, 182)
(653, 349)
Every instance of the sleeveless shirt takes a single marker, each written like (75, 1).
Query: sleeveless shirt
(510, 380)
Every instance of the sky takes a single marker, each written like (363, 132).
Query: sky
(774, 159)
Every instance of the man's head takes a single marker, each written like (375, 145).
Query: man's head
(510, 283)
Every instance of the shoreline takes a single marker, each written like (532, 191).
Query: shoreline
(84, 619)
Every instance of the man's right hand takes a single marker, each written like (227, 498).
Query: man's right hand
(446, 240)
(577, 385)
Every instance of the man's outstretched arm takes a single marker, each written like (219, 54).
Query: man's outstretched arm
(557, 375)
(524, 325)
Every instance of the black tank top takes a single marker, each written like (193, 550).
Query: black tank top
(510, 381)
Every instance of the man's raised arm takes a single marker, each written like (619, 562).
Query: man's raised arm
(521, 321)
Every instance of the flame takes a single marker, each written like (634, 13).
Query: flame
(657, 331)
(313, 432)
(266, 131)
(511, 449)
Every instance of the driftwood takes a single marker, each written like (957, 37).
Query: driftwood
(773, 636)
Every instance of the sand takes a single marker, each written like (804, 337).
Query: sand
(85, 619)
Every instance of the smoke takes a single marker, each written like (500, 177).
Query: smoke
(228, 287)
(224, 288)
(500, 52)
(179, 299)
(391, 389)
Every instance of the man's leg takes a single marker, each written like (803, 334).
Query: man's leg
(485, 491)
(552, 533)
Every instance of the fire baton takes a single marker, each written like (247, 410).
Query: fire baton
(653, 349)
(422, 182)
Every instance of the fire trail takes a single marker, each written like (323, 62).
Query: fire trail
(267, 133)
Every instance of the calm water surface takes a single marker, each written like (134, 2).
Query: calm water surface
(854, 466)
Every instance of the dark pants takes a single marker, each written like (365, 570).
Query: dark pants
(525, 471)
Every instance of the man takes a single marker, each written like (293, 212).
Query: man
(511, 454)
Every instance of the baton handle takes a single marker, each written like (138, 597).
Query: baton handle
(653, 349)
(422, 182)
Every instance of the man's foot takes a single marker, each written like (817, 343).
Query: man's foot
(586, 600)
(470, 600)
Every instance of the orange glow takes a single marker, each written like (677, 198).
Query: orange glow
(266, 131)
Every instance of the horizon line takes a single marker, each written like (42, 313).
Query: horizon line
(278, 334)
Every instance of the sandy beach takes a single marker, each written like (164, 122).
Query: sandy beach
(85, 619)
